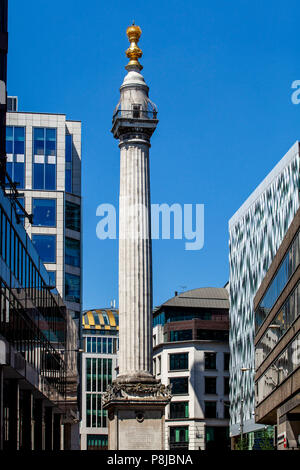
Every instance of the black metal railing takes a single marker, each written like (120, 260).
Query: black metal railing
(134, 114)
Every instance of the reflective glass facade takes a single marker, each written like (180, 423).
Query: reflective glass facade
(44, 212)
(68, 171)
(72, 287)
(72, 252)
(281, 368)
(284, 319)
(44, 158)
(287, 268)
(30, 318)
(46, 247)
(15, 150)
(72, 216)
(98, 377)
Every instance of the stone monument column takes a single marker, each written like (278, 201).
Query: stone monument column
(136, 400)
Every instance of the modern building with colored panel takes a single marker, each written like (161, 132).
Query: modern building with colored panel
(256, 231)
(277, 342)
(100, 331)
(191, 352)
(44, 160)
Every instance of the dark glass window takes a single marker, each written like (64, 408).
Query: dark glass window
(226, 385)
(179, 361)
(181, 335)
(72, 216)
(180, 385)
(211, 385)
(210, 409)
(179, 436)
(179, 409)
(44, 212)
(44, 158)
(226, 361)
(226, 409)
(213, 335)
(15, 150)
(72, 252)
(210, 360)
(72, 287)
(68, 163)
(46, 247)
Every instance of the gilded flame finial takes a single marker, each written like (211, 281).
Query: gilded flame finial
(134, 52)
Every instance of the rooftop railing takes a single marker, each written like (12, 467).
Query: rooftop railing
(134, 114)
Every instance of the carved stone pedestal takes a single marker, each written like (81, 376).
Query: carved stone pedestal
(136, 415)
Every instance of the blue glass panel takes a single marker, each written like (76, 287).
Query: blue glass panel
(18, 210)
(50, 176)
(19, 171)
(44, 212)
(9, 146)
(9, 133)
(39, 133)
(72, 252)
(46, 247)
(9, 169)
(51, 134)
(72, 216)
(68, 148)
(50, 147)
(19, 147)
(19, 134)
(38, 141)
(69, 181)
(52, 275)
(72, 287)
(38, 176)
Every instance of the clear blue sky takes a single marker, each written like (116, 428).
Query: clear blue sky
(220, 73)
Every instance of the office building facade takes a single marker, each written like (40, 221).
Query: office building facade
(44, 161)
(277, 342)
(255, 232)
(33, 338)
(191, 353)
(100, 331)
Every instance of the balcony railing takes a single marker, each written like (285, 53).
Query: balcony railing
(134, 114)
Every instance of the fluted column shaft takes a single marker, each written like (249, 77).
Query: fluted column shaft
(135, 260)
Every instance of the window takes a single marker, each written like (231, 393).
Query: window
(44, 158)
(180, 335)
(179, 437)
(226, 385)
(211, 385)
(213, 335)
(46, 247)
(136, 111)
(180, 385)
(72, 252)
(72, 287)
(97, 442)
(226, 361)
(210, 409)
(179, 409)
(154, 367)
(72, 216)
(68, 171)
(210, 361)
(15, 150)
(158, 365)
(179, 361)
(44, 212)
(52, 275)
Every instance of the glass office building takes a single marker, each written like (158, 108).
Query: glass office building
(100, 329)
(44, 160)
(255, 232)
(33, 338)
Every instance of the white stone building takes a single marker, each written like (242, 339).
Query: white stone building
(191, 352)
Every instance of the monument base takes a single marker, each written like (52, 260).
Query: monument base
(136, 414)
